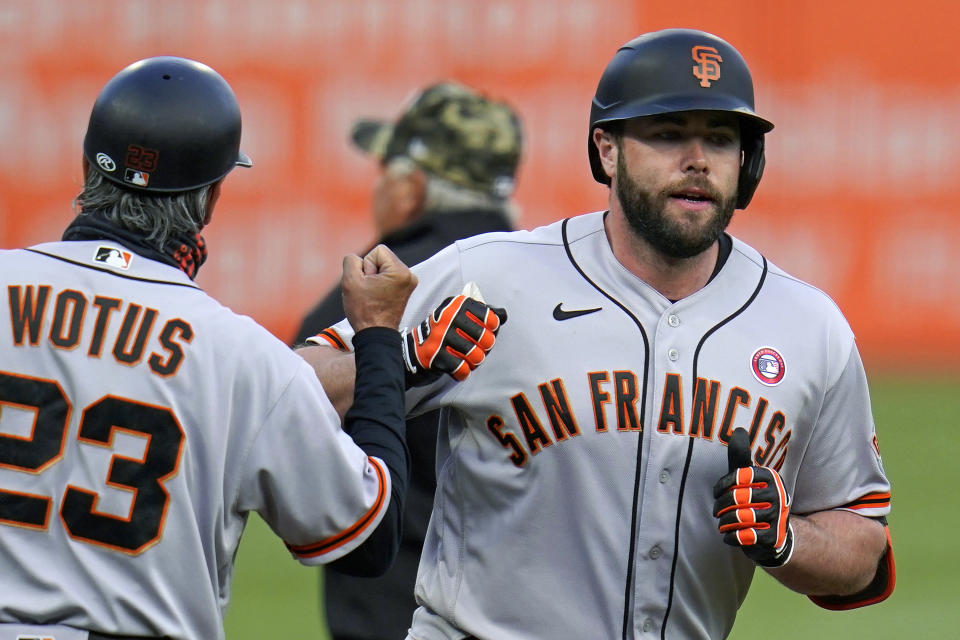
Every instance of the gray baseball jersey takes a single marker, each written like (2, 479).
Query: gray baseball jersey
(575, 467)
(140, 423)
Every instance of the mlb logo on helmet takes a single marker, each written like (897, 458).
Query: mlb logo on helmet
(768, 366)
(139, 178)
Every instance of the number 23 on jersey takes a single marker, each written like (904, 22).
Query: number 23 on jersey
(99, 422)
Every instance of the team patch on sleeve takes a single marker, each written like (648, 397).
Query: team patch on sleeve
(359, 529)
(330, 337)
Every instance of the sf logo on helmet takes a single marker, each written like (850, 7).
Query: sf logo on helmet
(708, 64)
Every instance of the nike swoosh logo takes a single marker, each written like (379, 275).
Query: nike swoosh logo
(560, 314)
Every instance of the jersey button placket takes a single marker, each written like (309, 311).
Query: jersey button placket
(649, 598)
(673, 320)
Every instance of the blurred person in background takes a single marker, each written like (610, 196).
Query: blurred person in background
(449, 164)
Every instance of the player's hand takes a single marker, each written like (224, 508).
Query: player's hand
(454, 339)
(753, 507)
(376, 288)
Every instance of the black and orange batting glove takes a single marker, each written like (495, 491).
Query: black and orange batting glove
(753, 507)
(454, 339)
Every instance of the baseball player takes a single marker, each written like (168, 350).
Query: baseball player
(141, 421)
(666, 410)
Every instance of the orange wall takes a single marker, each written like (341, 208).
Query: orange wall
(858, 197)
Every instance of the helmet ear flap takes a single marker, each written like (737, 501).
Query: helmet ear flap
(751, 170)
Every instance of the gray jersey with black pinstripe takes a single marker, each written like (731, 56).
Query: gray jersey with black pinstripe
(140, 423)
(576, 465)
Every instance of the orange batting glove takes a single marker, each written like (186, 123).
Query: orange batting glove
(753, 507)
(454, 339)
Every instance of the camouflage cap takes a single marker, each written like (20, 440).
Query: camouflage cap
(454, 133)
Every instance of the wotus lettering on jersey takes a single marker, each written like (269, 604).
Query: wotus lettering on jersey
(617, 392)
(28, 309)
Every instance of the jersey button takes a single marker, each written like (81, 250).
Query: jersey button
(654, 554)
(664, 476)
(648, 625)
(673, 320)
(673, 354)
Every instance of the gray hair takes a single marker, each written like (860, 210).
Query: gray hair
(156, 216)
(445, 196)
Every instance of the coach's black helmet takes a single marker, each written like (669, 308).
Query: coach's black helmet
(677, 70)
(165, 124)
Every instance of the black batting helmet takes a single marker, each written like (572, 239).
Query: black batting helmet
(677, 70)
(165, 124)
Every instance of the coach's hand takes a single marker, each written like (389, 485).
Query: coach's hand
(376, 288)
(753, 507)
(454, 339)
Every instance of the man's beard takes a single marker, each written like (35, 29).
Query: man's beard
(646, 214)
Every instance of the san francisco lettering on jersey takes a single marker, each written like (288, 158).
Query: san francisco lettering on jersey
(133, 325)
(704, 415)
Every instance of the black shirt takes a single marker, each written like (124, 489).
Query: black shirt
(374, 609)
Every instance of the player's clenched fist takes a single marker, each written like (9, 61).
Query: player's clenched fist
(753, 507)
(376, 288)
(454, 339)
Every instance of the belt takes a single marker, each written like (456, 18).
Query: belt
(93, 635)
(17, 631)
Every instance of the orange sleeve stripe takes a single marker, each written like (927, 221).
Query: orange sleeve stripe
(331, 336)
(350, 533)
(869, 501)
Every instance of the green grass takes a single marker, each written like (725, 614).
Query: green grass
(275, 597)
